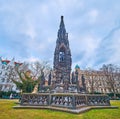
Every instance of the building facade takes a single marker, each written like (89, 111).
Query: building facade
(98, 81)
(7, 71)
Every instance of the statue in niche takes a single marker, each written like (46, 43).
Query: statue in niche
(77, 81)
(73, 80)
(83, 83)
(42, 81)
(76, 76)
(61, 56)
(49, 79)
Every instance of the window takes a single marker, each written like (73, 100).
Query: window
(3, 79)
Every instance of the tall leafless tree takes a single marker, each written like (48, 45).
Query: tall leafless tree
(90, 79)
(38, 68)
(112, 74)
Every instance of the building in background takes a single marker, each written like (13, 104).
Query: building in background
(98, 81)
(7, 71)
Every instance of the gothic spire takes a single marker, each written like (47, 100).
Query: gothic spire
(62, 56)
(62, 23)
(62, 30)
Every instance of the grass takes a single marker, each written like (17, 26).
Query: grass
(7, 112)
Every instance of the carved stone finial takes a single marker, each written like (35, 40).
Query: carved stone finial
(61, 18)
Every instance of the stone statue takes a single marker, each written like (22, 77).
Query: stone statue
(83, 83)
(77, 81)
(49, 79)
(42, 81)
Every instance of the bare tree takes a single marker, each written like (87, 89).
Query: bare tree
(31, 75)
(38, 68)
(112, 74)
(91, 80)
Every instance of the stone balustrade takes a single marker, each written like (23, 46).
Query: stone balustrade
(67, 100)
(35, 99)
(98, 100)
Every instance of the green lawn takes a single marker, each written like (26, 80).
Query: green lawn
(7, 112)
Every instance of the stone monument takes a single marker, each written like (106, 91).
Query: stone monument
(65, 94)
(62, 59)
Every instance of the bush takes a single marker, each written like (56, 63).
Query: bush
(114, 96)
(6, 95)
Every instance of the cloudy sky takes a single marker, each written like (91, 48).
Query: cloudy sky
(28, 30)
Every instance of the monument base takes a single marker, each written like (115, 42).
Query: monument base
(67, 102)
(64, 100)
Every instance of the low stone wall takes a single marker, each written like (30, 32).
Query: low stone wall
(67, 100)
(98, 100)
(35, 99)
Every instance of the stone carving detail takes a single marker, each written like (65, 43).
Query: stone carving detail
(62, 101)
(80, 100)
